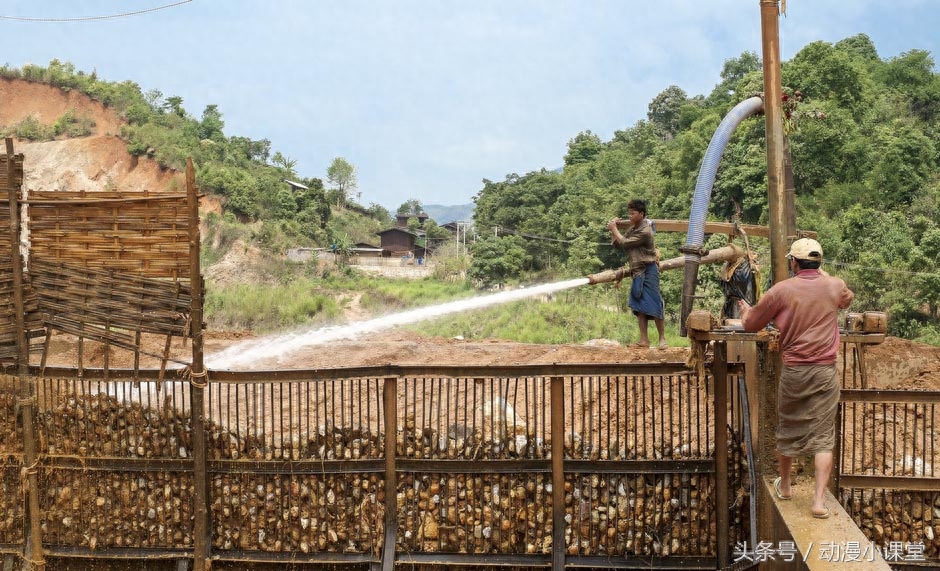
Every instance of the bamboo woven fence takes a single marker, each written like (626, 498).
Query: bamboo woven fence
(13, 164)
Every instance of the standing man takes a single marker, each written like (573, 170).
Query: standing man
(805, 308)
(637, 241)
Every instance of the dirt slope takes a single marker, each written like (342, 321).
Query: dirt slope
(97, 162)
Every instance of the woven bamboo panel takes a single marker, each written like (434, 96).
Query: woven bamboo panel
(17, 171)
(33, 319)
(108, 305)
(142, 233)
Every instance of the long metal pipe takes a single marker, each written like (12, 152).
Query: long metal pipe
(773, 117)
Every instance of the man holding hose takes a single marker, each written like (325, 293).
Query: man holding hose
(638, 242)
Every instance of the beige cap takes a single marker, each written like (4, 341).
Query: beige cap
(806, 249)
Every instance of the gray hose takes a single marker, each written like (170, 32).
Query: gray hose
(703, 192)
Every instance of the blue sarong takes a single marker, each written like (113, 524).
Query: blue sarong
(645, 296)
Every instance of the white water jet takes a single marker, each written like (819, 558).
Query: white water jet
(250, 351)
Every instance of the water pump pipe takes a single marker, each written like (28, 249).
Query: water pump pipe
(723, 254)
(693, 248)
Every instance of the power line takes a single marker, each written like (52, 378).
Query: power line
(530, 236)
(92, 18)
(893, 270)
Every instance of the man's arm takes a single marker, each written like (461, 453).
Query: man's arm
(845, 297)
(757, 317)
(619, 240)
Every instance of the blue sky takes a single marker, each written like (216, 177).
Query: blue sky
(426, 98)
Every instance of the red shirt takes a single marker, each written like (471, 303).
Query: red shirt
(805, 308)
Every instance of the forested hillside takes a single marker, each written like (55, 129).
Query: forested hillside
(863, 133)
(247, 175)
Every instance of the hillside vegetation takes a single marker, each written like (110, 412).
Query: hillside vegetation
(862, 130)
(863, 133)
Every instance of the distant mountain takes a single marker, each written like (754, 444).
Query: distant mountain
(445, 214)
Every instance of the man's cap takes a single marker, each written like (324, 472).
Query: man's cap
(806, 249)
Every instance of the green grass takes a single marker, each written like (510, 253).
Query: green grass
(384, 295)
(299, 299)
(268, 308)
(570, 317)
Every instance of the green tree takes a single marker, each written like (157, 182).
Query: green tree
(927, 279)
(860, 48)
(410, 207)
(820, 71)
(342, 175)
(733, 71)
(905, 159)
(281, 161)
(584, 148)
(664, 110)
(174, 105)
(496, 260)
(211, 125)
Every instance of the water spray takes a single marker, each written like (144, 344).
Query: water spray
(254, 350)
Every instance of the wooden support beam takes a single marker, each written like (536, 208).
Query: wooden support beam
(752, 230)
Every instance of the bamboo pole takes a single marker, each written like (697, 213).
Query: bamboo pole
(198, 382)
(27, 402)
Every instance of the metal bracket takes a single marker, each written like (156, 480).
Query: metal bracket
(699, 250)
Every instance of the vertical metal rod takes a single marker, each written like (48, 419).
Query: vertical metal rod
(720, 377)
(558, 472)
(201, 541)
(933, 428)
(642, 411)
(390, 406)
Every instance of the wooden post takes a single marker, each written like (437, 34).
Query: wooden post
(769, 365)
(198, 383)
(27, 400)
(773, 119)
(558, 472)
(723, 518)
(390, 404)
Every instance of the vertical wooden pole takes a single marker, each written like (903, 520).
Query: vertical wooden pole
(773, 121)
(769, 366)
(27, 402)
(558, 473)
(198, 381)
(390, 404)
(779, 228)
(722, 517)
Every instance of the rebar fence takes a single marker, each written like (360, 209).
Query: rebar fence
(888, 474)
(602, 466)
